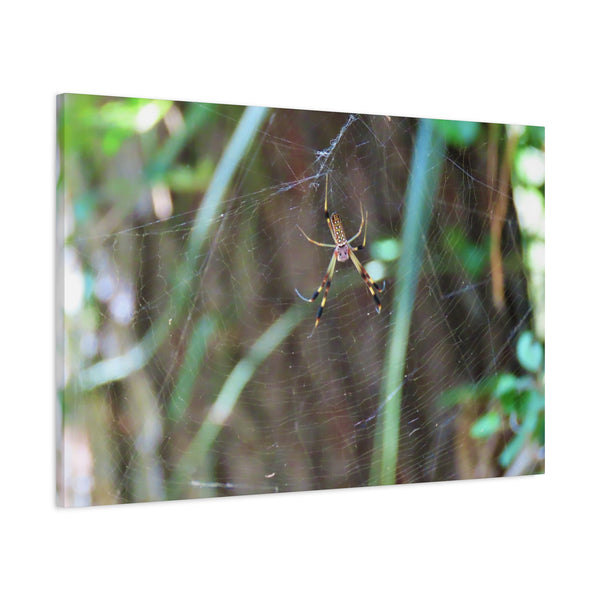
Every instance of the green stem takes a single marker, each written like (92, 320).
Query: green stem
(119, 367)
(196, 460)
(182, 392)
(195, 118)
(422, 187)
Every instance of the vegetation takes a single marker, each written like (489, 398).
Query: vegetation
(188, 370)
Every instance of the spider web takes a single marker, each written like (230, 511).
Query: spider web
(190, 369)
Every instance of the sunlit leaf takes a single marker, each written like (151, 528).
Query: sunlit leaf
(486, 425)
(530, 166)
(112, 140)
(376, 269)
(529, 352)
(387, 249)
(507, 382)
(529, 203)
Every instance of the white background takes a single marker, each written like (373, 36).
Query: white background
(514, 62)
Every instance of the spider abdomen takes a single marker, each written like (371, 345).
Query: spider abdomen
(342, 251)
(338, 230)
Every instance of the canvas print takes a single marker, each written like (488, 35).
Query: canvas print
(260, 300)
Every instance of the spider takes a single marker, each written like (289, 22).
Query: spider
(343, 250)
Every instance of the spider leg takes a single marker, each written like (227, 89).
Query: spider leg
(368, 281)
(362, 222)
(364, 243)
(360, 247)
(325, 284)
(330, 273)
(313, 241)
(327, 215)
(326, 211)
(329, 269)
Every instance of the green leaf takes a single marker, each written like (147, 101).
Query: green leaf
(530, 352)
(535, 135)
(187, 179)
(507, 382)
(479, 391)
(387, 249)
(511, 401)
(473, 258)
(511, 391)
(486, 425)
(458, 133)
(540, 430)
(534, 402)
(459, 395)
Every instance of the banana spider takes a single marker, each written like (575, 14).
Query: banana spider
(343, 250)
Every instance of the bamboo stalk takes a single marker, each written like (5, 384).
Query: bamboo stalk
(422, 187)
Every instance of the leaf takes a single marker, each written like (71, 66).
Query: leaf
(479, 391)
(459, 395)
(534, 405)
(511, 391)
(387, 249)
(507, 382)
(458, 133)
(535, 135)
(473, 258)
(530, 166)
(486, 425)
(530, 205)
(530, 352)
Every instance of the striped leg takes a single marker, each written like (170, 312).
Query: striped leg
(326, 283)
(327, 216)
(330, 268)
(368, 281)
(327, 286)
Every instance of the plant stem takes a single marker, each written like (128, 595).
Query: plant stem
(121, 366)
(422, 186)
(196, 460)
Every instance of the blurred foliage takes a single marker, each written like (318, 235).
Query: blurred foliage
(160, 347)
(459, 134)
(89, 128)
(512, 406)
(472, 257)
(387, 249)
